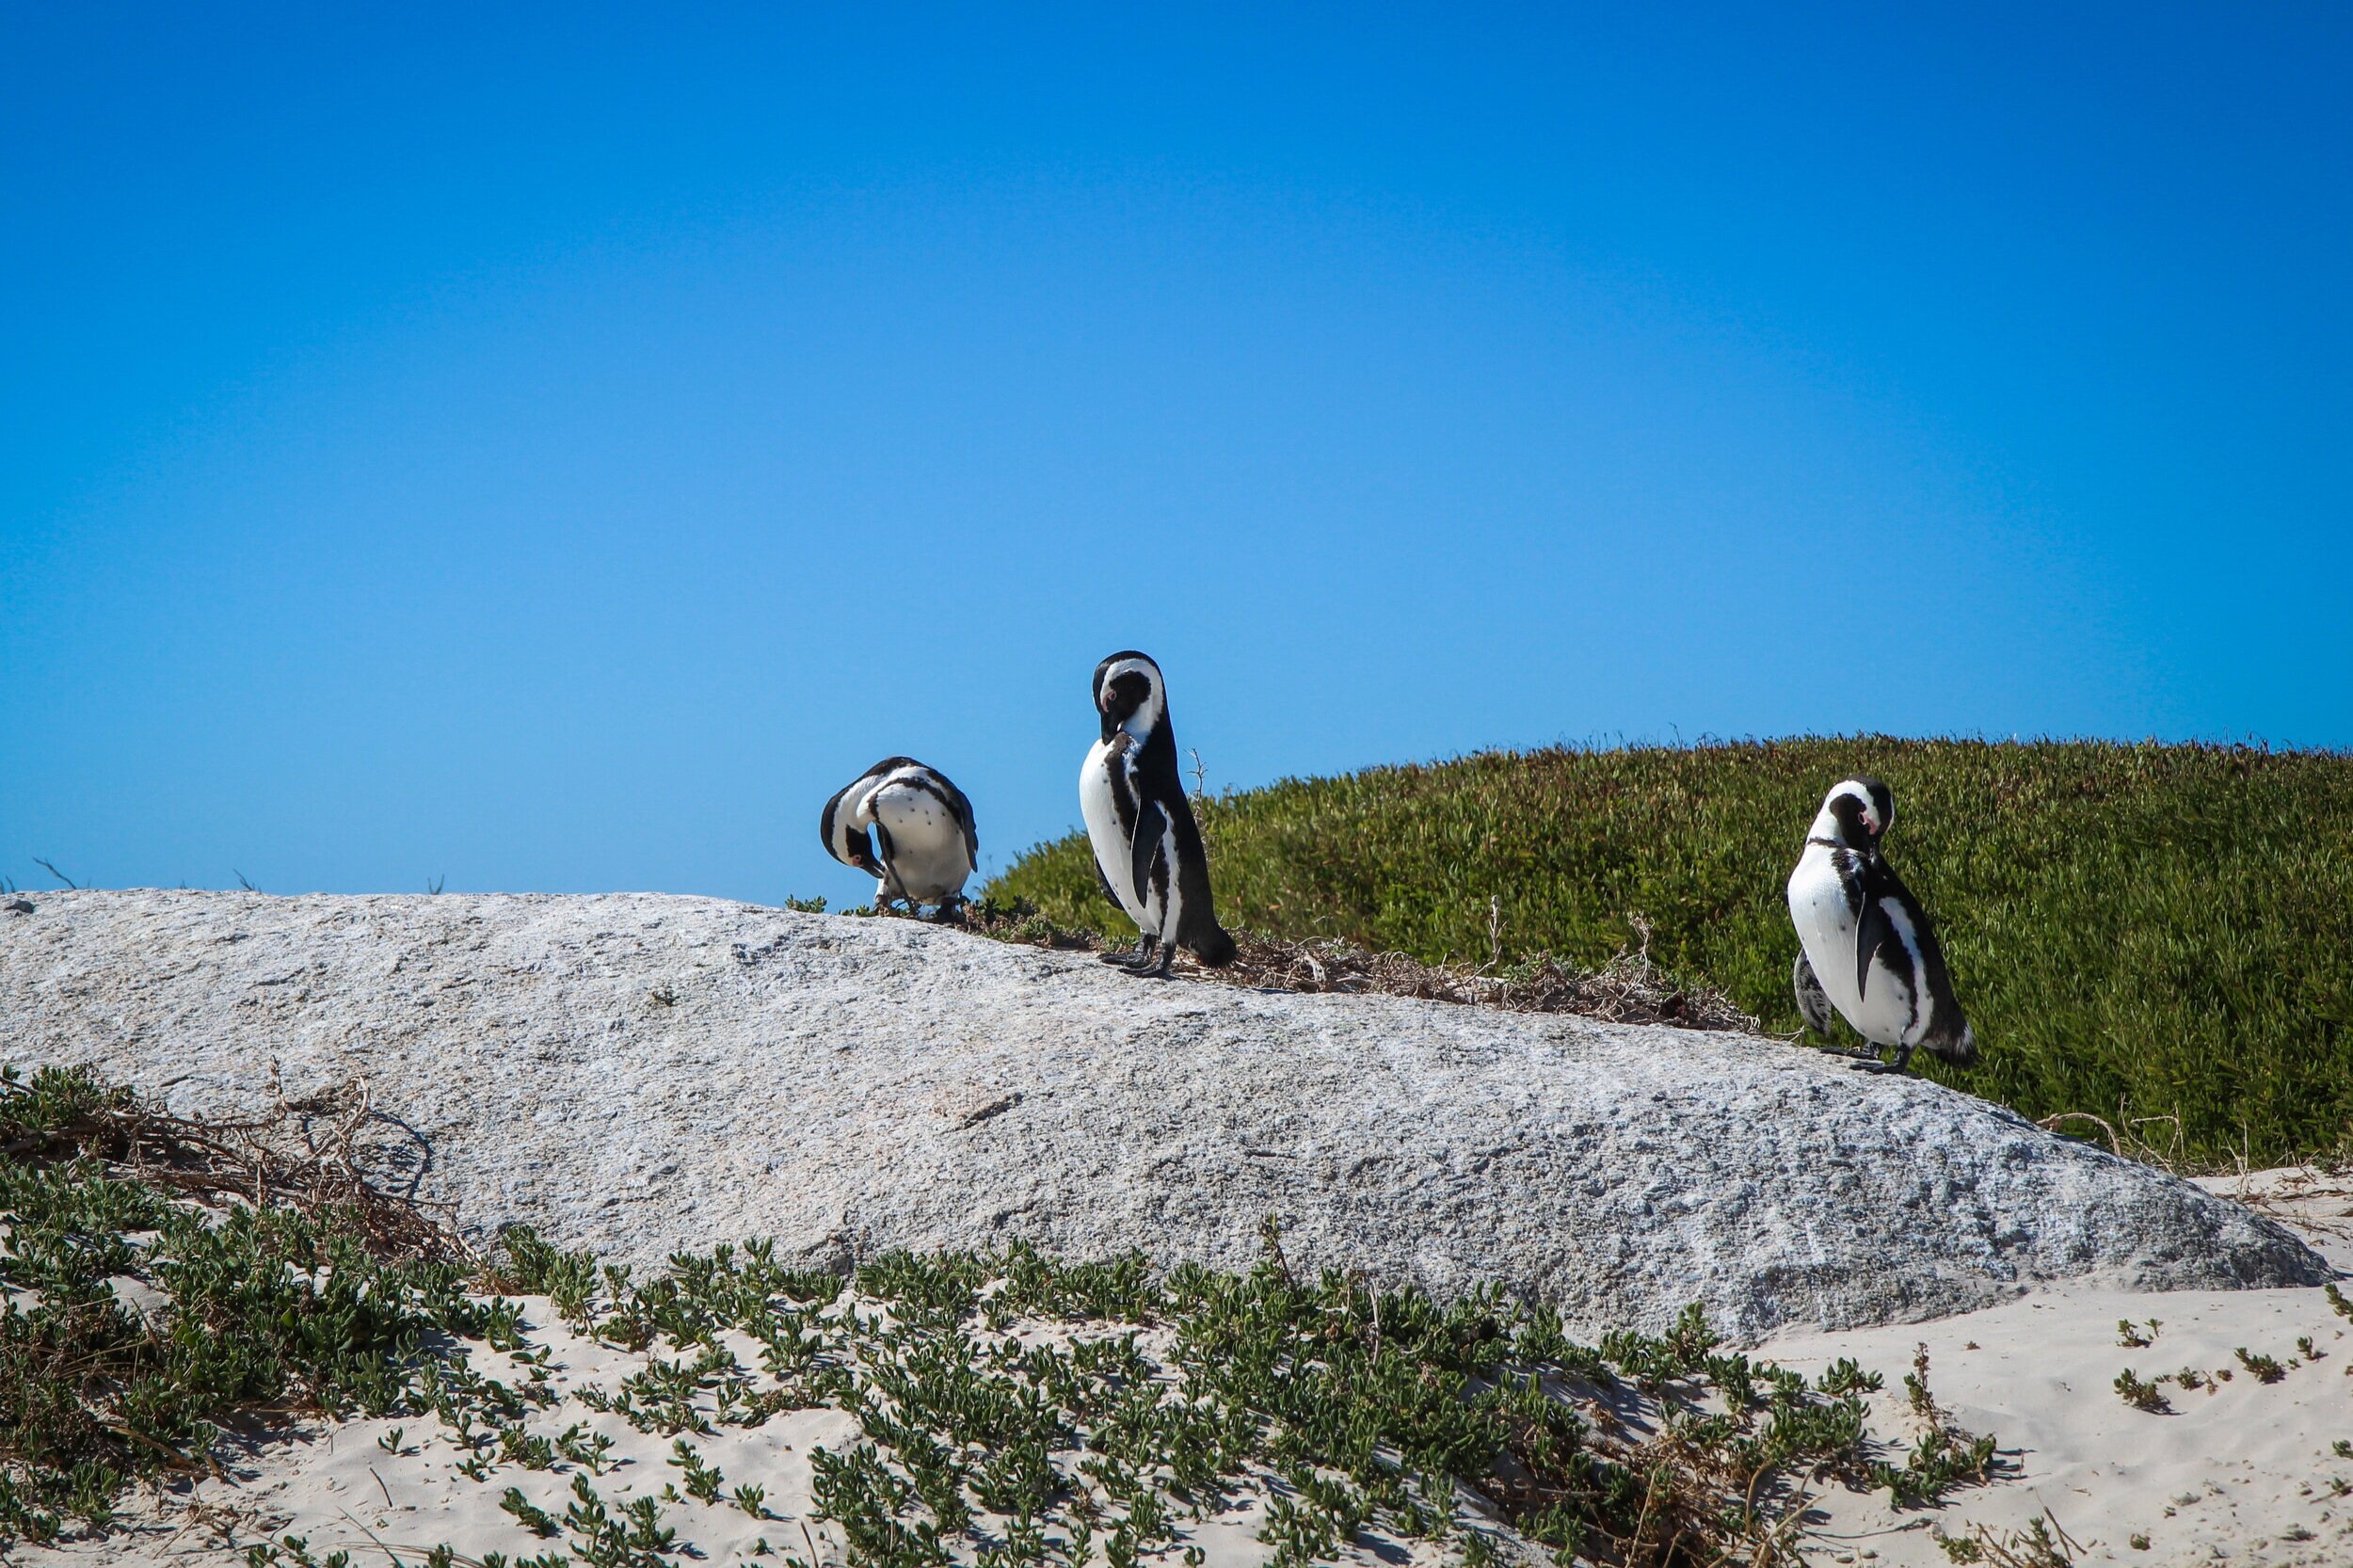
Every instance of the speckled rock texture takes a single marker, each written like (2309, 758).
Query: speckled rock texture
(641, 1073)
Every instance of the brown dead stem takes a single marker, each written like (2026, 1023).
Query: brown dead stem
(1630, 989)
(303, 1154)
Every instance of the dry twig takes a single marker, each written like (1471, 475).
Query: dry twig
(284, 1156)
(1630, 989)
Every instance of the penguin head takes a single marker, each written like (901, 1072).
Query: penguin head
(1128, 694)
(844, 824)
(1856, 812)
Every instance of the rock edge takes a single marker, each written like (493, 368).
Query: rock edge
(644, 1073)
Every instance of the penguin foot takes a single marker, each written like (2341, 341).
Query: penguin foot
(1132, 962)
(1848, 1053)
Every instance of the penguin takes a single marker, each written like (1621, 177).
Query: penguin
(909, 827)
(1812, 1002)
(1147, 848)
(1867, 947)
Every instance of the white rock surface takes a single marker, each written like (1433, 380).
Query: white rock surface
(641, 1073)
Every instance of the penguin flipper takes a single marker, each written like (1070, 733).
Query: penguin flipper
(961, 809)
(1151, 828)
(1872, 927)
(889, 872)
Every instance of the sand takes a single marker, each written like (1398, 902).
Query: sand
(387, 1491)
(2236, 1471)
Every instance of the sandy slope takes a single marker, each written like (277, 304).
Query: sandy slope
(2236, 1471)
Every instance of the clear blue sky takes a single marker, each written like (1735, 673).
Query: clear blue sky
(554, 450)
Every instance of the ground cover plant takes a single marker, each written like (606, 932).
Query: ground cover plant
(1004, 1409)
(2137, 931)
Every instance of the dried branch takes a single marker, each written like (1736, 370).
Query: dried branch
(1630, 989)
(304, 1155)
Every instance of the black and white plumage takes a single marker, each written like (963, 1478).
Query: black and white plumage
(1812, 1002)
(907, 826)
(1867, 947)
(1147, 848)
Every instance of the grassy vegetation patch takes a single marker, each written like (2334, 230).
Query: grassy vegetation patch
(251, 1310)
(1009, 1409)
(2141, 931)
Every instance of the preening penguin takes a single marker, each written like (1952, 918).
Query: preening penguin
(1867, 947)
(1147, 848)
(909, 827)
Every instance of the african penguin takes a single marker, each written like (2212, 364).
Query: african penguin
(1147, 848)
(1867, 947)
(909, 827)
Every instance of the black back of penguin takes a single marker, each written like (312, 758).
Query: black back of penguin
(1948, 1035)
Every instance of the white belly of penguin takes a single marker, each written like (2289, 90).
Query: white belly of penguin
(1101, 812)
(926, 842)
(1826, 929)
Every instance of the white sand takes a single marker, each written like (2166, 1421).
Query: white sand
(2237, 1472)
(391, 1489)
